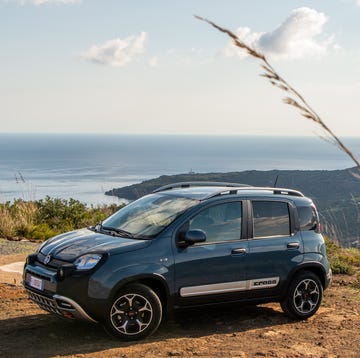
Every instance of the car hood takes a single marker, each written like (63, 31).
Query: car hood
(73, 244)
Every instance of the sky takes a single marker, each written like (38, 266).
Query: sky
(151, 67)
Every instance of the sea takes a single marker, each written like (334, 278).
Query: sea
(84, 166)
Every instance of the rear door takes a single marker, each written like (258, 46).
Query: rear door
(275, 245)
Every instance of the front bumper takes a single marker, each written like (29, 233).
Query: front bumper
(60, 305)
(41, 284)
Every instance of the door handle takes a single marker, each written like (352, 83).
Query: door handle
(239, 251)
(293, 245)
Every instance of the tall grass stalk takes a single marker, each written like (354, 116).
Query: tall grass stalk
(293, 98)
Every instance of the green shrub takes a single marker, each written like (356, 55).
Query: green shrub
(64, 215)
(355, 254)
(340, 265)
(42, 219)
(342, 261)
(61, 214)
(40, 232)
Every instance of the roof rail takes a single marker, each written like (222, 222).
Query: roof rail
(279, 191)
(188, 184)
(287, 192)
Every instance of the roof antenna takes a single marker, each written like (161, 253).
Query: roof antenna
(277, 177)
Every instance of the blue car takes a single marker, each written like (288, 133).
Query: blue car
(185, 245)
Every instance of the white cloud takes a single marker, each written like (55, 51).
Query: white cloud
(117, 52)
(154, 61)
(297, 37)
(42, 2)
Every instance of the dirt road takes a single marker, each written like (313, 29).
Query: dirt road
(232, 331)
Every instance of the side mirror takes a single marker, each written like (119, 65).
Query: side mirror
(194, 236)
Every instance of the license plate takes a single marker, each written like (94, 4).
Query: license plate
(35, 282)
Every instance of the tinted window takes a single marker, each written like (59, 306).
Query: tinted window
(271, 218)
(307, 217)
(220, 222)
(150, 214)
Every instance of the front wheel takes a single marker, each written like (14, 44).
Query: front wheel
(303, 297)
(135, 313)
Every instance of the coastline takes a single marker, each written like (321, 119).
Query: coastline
(86, 166)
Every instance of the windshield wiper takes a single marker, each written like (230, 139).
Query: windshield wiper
(117, 232)
(96, 228)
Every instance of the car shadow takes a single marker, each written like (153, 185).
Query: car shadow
(44, 335)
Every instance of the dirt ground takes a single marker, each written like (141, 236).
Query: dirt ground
(231, 331)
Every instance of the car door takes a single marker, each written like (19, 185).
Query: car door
(275, 245)
(214, 269)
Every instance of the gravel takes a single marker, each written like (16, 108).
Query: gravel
(8, 247)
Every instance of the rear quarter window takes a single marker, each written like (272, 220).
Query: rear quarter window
(308, 218)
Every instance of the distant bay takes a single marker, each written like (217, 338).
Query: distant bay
(84, 166)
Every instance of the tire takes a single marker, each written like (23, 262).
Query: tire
(303, 297)
(135, 313)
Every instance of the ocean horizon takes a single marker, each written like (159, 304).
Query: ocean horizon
(84, 166)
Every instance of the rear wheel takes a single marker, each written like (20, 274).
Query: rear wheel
(135, 313)
(304, 296)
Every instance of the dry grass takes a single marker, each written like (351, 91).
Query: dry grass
(293, 97)
(7, 223)
(15, 218)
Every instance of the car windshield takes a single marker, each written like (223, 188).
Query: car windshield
(148, 216)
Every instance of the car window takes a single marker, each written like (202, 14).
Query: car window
(307, 218)
(271, 218)
(149, 215)
(220, 222)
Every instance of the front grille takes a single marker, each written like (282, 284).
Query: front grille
(49, 284)
(46, 303)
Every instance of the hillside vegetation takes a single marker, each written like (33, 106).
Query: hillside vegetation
(42, 219)
(335, 192)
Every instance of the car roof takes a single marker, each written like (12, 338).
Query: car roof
(206, 190)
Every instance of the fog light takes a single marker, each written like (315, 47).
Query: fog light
(68, 315)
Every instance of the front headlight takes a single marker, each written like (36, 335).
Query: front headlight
(87, 262)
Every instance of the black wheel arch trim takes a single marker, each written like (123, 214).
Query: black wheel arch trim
(154, 281)
(315, 267)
